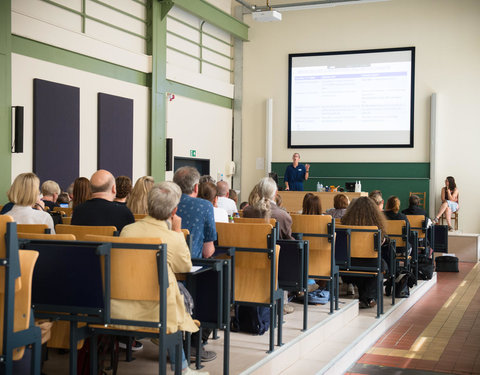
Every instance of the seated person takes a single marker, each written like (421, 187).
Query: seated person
(224, 200)
(312, 205)
(162, 222)
(340, 204)
(391, 212)
(376, 196)
(208, 191)
(82, 191)
(414, 207)
(449, 196)
(50, 192)
(101, 210)
(124, 188)
(24, 194)
(63, 199)
(363, 211)
(137, 201)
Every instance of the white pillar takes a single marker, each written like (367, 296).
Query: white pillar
(268, 136)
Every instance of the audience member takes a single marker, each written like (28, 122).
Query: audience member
(24, 194)
(100, 210)
(312, 205)
(264, 194)
(82, 191)
(206, 178)
(376, 196)
(243, 205)
(137, 201)
(414, 206)
(340, 204)
(197, 214)
(162, 222)
(224, 201)
(124, 188)
(232, 194)
(208, 191)
(364, 211)
(50, 192)
(63, 199)
(392, 209)
(70, 192)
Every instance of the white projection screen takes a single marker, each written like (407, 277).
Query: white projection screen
(351, 99)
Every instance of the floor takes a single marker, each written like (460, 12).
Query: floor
(439, 334)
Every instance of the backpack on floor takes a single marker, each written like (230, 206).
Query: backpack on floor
(403, 282)
(251, 319)
(317, 297)
(425, 268)
(446, 263)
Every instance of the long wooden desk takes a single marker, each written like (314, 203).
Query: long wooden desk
(292, 200)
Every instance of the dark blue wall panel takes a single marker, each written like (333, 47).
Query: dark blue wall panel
(115, 134)
(56, 124)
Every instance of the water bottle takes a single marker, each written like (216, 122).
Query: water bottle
(318, 186)
(359, 186)
(321, 187)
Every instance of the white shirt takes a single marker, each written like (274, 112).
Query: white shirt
(227, 204)
(27, 215)
(220, 215)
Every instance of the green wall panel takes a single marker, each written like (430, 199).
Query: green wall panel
(5, 99)
(391, 178)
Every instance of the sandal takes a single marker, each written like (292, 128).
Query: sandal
(435, 220)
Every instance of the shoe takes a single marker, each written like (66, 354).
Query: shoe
(136, 345)
(205, 356)
(350, 290)
(312, 287)
(450, 229)
(367, 304)
(288, 309)
(154, 341)
(189, 371)
(435, 220)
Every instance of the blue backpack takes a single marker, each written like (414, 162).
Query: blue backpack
(251, 319)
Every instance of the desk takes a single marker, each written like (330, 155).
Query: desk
(293, 200)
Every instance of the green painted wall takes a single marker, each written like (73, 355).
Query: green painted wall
(5, 97)
(391, 178)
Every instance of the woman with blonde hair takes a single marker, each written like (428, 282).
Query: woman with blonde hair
(137, 202)
(24, 194)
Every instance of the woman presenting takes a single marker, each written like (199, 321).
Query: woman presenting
(295, 174)
(449, 197)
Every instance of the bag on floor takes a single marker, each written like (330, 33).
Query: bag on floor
(252, 319)
(446, 263)
(403, 282)
(317, 297)
(425, 268)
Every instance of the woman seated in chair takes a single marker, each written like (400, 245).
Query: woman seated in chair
(162, 222)
(363, 211)
(449, 196)
(137, 201)
(340, 204)
(392, 212)
(25, 195)
(311, 205)
(208, 191)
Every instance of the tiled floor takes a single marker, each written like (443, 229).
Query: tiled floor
(441, 333)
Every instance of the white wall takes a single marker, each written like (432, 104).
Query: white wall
(446, 35)
(25, 69)
(206, 128)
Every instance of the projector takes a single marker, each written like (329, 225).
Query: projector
(267, 16)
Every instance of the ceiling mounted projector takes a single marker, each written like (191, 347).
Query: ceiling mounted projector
(267, 16)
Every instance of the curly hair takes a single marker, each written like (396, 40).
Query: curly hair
(124, 186)
(363, 211)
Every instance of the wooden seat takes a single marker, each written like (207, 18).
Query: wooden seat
(80, 231)
(15, 308)
(33, 228)
(257, 220)
(424, 234)
(37, 236)
(319, 230)
(139, 216)
(362, 242)
(65, 211)
(255, 268)
(66, 220)
(142, 260)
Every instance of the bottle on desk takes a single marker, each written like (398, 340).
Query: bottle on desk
(358, 186)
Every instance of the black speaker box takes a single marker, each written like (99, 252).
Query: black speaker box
(169, 157)
(18, 130)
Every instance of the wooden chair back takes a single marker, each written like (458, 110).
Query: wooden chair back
(320, 249)
(67, 220)
(254, 220)
(397, 230)
(252, 269)
(139, 216)
(37, 236)
(66, 211)
(362, 244)
(132, 264)
(33, 228)
(417, 223)
(80, 231)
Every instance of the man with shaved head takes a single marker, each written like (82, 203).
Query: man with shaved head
(223, 198)
(100, 209)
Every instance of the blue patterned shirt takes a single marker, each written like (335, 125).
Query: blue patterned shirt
(197, 217)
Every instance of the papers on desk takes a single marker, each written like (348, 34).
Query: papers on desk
(195, 269)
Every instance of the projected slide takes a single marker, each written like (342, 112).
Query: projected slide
(357, 99)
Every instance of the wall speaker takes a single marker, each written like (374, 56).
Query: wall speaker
(169, 158)
(17, 131)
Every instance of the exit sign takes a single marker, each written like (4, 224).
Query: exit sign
(193, 153)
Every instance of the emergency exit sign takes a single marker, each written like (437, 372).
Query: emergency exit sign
(193, 153)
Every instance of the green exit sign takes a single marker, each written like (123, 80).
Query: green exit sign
(193, 153)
